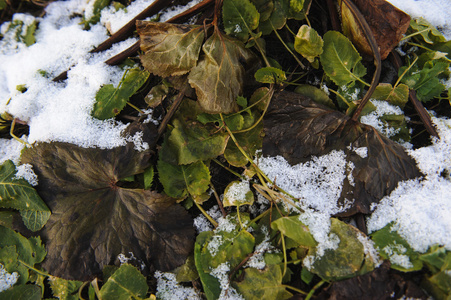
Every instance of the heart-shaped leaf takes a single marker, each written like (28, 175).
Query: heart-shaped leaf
(94, 219)
(298, 128)
(219, 78)
(169, 49)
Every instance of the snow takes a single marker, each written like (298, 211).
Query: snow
(26, 172)
(168, 288)
(10, 149)
(374, 118)
(435, 12)
(227, 291)
(7, 280)
(236, 192)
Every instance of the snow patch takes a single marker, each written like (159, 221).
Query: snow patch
(7, 280)
(26, 172)
(168, 288)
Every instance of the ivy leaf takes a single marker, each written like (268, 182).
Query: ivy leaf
(219, 77)
(298, 128)
(94, 219)
(308, 43)
(64, 289)
(169, 49)
(126, 283)
(180, 180)
(342, 262)
(263, 284)
(270, 75)
(392, 246)
(20, 249)
(240, 18)
(18, 194)
(111, 100)
(340, 60)
(398, 95)
(294, 229)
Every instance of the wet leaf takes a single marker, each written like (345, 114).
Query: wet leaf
(169, 49)
(111, 100)
(126, 283)
(308, 43)
(94, 220)
(240, 18)
(398, 95)
(392, 246)
(270, 75)
(64, 289)
(298, 128)
(219, 77)
(294, 229)
(19, 248)
(23, 291)
(18, 194)
(343, 262)
(340, 60)
(387, 23)
(238, 193)
(263, 284)
(180, 181)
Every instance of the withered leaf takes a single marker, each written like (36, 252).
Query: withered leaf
(297, 128)
(219, 77)
(169, 49)
(95, 219)
(387, 23)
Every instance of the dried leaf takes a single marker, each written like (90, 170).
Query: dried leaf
(219, 77)
(18, 194)
(240, 18)
(298, 128)
(94, 219)
(169, 49)
(340, 60)
(387, 23)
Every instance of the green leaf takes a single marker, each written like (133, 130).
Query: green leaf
(126, 283)
(429, 33)
(270, 75)
(9, 260)
(169, 49)
(264, 7)
(240, 18)
(263, 284)
(295, 230)
(219, 77)
(308, 43)
(210, 284)
(392, 246)
(64, 289)
(343, 262)
(278, 17)
(93, 17)
(23, 291)
(148, 177)
(316, 94)
(111, 100)
(180, 180)
(340, 59)
(238, 193)
(2, 4)
(398, 95)
(95, 219)
(437, 258)
(191, 142)
(18, 194)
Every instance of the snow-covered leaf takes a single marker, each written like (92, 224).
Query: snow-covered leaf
(94, 219)
(169, 49)
(18, 194)
(238, 193)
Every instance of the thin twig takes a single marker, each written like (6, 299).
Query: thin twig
(171, 112)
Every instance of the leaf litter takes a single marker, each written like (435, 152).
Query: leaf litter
(352, 171)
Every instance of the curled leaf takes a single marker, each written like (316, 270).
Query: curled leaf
(270, 75)
(219, 77)
(169, 49)
(95, 219)
(298, 128)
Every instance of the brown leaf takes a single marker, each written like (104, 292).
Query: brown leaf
(379, 284)
(297, 128)
(387, 23)
(94, 219)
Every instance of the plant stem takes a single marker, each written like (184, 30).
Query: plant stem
(34, 269)
(215, 224)
(405, 71)
(294, 289)
(284, 249)
(313, 290)
(288, 49)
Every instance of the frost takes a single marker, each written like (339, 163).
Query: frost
(168, 288)
(214, 244)
(227, 292)
(236, 193)
(7, 280)
(257, 260)
(26, 172)
(202, 224)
